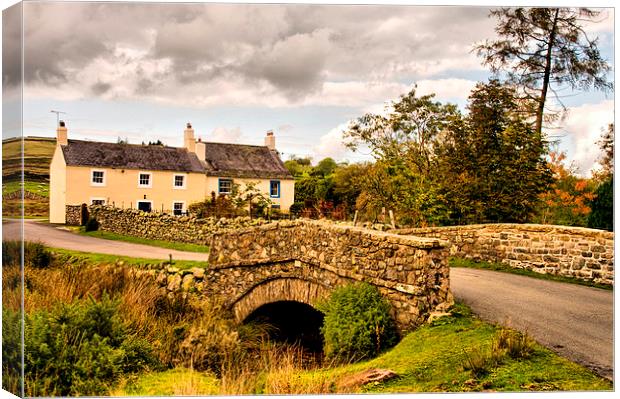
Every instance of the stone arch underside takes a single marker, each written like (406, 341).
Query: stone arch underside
(279, 289)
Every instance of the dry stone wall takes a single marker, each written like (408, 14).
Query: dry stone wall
(74, 215)
(159, 226)
(578, 252)
(306, 260)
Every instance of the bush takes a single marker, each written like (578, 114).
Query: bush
(11, 350)
(91, 225)
(79, 349)
(357, 323)
(35, 254)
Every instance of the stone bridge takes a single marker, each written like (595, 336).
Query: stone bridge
(303, 261)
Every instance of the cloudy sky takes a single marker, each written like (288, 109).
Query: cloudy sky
(141, 71)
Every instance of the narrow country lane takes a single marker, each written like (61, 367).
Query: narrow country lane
(573, 320)
(55, 237)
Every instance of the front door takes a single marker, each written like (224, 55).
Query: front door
(144, 206)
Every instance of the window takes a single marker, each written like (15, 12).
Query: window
(144, 179)
(97, 201)
(178, 181)
(97, 178)
(274, 188)
(145, 206)
(225, 186)
(178, 208)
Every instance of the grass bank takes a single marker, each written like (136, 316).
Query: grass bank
(434, 358)
(69, 256)
(500, 267)
(179, 246)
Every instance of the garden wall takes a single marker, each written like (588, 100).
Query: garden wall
(158, 226)
(586, 254)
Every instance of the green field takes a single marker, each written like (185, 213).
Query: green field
(38, 154)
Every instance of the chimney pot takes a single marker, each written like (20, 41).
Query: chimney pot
(61, 134)
(270, 140)
(188, 138)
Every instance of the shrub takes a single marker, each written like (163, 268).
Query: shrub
(79, 349)
(11, 350)
(35, 254)
(357, 323)
(91, 225)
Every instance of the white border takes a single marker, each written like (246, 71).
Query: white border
(142, 172)
(92, 183)
(184, 186)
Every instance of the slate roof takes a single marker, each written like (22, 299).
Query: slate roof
(222, 159)
(240, 160)
(130, 156)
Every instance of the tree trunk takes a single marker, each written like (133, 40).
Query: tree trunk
(548, 59)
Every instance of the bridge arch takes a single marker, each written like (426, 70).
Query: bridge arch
(279, 290)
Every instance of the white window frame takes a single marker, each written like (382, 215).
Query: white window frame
(150, 185)
(97, 199)
(95, 184)
(174, 178)
(178, 202)
(219, 192)
(145, 200)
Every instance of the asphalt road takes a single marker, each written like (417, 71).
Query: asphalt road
(572, 320)
(58, 238)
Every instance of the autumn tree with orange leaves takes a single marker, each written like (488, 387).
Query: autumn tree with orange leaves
(568, 200)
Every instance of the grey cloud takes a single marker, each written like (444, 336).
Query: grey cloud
(100, 88)
(11, 46)
(292, 48)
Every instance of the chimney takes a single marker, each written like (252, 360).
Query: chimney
(61, 134)
(201, 149)
(270, 140)
(189, 141)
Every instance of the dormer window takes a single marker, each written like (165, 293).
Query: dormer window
(145, 180)
(97, 177)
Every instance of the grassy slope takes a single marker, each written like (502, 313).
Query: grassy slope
(110, 259)
(459, 262)
(429, 359)
(179, 246)
(37, 157)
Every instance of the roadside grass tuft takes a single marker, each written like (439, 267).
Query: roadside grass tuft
(499, 267)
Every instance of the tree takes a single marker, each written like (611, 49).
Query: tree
(606, 143)
(492, 163)
(567, 202)
(404, 143)
(545, 49)
(602, 215)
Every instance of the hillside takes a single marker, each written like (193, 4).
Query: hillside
(38, 152)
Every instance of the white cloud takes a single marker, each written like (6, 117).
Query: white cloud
(584, 126)
(224, 135)
(332, 145)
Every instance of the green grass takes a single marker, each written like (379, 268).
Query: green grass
(175, 382)
(37, 187)
(179, 246)
(129, 261)
(460, 262)
(430, 359)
